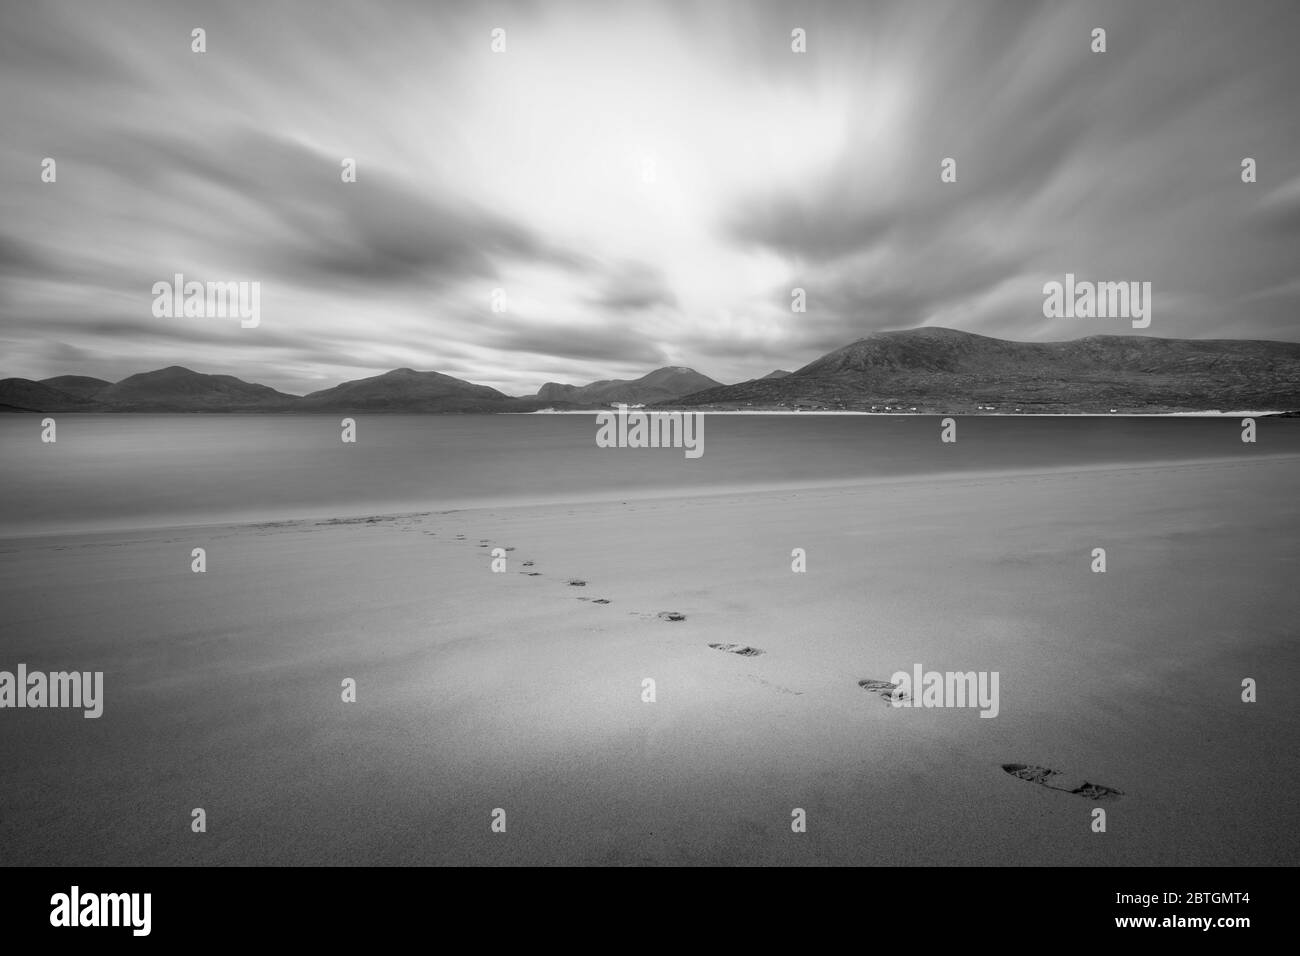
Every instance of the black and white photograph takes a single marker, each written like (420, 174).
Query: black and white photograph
(734, 434)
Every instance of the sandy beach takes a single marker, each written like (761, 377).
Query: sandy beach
(479, 690)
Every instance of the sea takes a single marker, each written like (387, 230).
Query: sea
(109, 472)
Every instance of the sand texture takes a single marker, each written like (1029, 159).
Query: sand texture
(523, 690)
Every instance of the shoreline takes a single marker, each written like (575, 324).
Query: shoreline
(390, 512)
(327, 413)
(813, 412)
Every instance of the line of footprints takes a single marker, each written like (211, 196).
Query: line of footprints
(889, 692)
(1044, 777)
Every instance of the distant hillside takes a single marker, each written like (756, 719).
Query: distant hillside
(82, 386)
(404, 389)
(943, 370)
(24, 395)
(931, 370)
(178, 389)
(660, 385)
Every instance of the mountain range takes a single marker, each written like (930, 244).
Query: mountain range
(178, 389)
(664, 384)
(937, 370)
(931, 369)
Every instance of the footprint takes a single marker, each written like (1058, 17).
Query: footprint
(575, 583)
(532, 574)
(883, 688)
(1026, 772)
(528, 564)
(1053, 780)
(509, 549)
(601, 601)
(1095, 791)
(678, 616)
(744, 650)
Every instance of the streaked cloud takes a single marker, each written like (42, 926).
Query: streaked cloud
(646, 182)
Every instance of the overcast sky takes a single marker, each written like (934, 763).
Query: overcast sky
(646, 181)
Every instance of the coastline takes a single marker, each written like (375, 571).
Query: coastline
(424, 510)
(710, 411)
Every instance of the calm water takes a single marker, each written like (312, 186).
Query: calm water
(114, 471)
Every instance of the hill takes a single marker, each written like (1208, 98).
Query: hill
(178, 389)
(24, 395)
(407, 390)
(82, 386)
(662, 384)
(944, 370)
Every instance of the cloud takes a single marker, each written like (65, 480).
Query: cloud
(1066, 161)
(633, 287)
(526, 171)
(608, 341)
